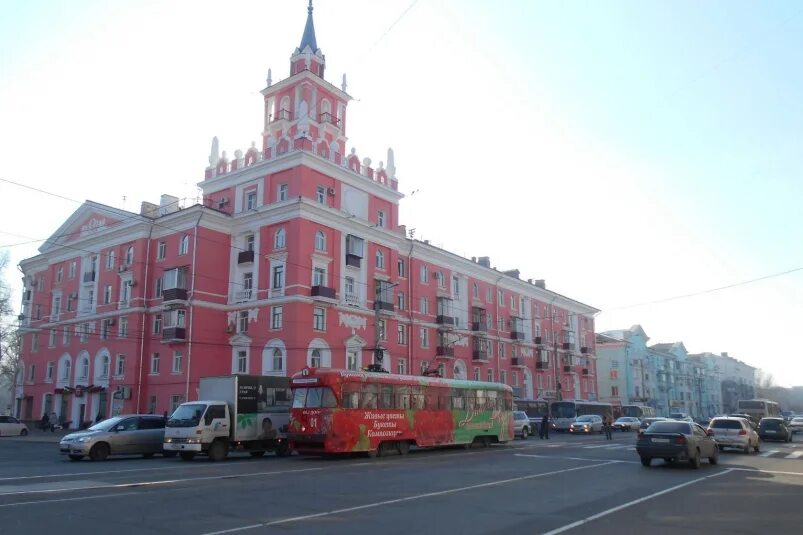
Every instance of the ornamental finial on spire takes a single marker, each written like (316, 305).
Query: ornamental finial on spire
(308, 39)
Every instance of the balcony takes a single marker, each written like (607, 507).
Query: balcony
(174, 295)
(174, 334)
(323, 291)
(89, 276)
(517, 361)
(584, 350)
(537, 340)
(384, 306)
(444, 352)
(541, 365)
(282, 115)
(245, 257)
(243, 295)
(327, 117)
(567, 346)
(585, 371)
(480, 326)
(567, 369)
(353, 260)
(444, 320)
(479, 355)
(517, 335)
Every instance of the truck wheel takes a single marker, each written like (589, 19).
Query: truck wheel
(283, 449)
(187, 455)
(217, 451)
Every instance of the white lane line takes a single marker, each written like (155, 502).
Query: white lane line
(777, 472)
(80, 498)
(595, 447)
(68, 474)
(155, 483)
(573, 525)
(571, 458)
(794, 454)
(405, 499)
(767, 453)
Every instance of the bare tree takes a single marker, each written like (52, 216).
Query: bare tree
(9, 334)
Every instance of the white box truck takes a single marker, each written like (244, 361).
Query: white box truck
(234, 413)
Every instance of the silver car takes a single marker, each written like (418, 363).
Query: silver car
(521, 425)
(130, 434)
(796, 424)
(730, 432)
(588, 423)
(627, 423)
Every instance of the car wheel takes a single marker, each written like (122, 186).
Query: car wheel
(283, 450)
(645, 461)
(715, 457)
(76, 457)
(746, 449)
(24, 432)
(757, 447)
(99, 452)
(695, 461)
(524, 433)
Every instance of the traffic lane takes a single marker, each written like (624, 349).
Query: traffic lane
(740, 501)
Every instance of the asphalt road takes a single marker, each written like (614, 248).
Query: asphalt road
(569, 484)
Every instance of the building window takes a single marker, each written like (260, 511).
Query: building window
(402, 335)
(175, 401)
(157, 324)
(278, 277)
(49, 372)
(278, 360)
(350, 295)
(104, 367)
(104, 329)
(615, 391)
(500, 298)
(280, 239)
(250, 241)
(152, 405)
(184, 244)
(400, 302)
(320, 241)
(318, 319)
(382, 328)
(129, 256)
(455, 286)
(380, 260)
(73, 269)
(516, 379)
(352, 359)
(84, 370)
(70, 301)
(439, 279)
(424, 366)
(424, 337)
(282, 193)
(424, 273)
(107, 294)
(320, 194)
(242, 321)
(52, 339)
(155, 364)
(441, 370)
(177, 361)
(65, 335)
(503, 376)
(251, 200)
(276, 318)
(110, 260)
(161, 250)
(424, 306)
(401, 267)
(315, 359)
(60, 274)
(319, 277)
(401, 367)
(158, 287)
(83, 333)
(502, 350)
(380, 218)
(175, 278)
(119, 366)
(490, 375)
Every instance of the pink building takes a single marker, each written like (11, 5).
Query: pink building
(295, 258)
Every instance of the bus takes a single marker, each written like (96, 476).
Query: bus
(638, 411)
(759, 408)
(564, 413)
(345, 411)
(535, 408)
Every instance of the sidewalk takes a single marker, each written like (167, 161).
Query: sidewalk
(37, 435)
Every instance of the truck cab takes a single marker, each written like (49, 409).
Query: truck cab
(196, 425)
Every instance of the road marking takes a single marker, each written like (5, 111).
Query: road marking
(794, 455)
(595, 447)
(155, 483)
(405, 499)
(571, 458)
(586, 520)
(767, 453)
(80, 498)
(778, 472)
(104, 472)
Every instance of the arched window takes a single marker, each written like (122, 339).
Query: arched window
(325, 106)
(278, 360)
(315, 359)
(380, 260)
(66, 370)
(284, 108)
(104, 366)
(280, 241)
(84, 371)
(320, 241)
(129, 256)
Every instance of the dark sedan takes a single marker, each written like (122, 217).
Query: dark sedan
(774, 429)
(676, 441)
(647, 422)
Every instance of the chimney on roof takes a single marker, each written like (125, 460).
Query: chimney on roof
(474, 259)
(168, 204)
(512, 273)
(541, 283)
(725, 354)
(484, 261)
(148, 209)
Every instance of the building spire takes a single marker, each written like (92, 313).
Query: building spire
(308, 39)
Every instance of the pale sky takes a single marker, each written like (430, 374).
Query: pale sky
(625, 151)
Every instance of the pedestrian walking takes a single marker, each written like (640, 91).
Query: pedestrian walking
(607, 425)
(44, 423)
(543, 431)
(54, 419)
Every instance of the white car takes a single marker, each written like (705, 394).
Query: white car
(10, 426)
(627, 423)
(796, 424)
(730, 432)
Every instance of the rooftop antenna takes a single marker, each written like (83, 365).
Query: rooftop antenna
(123, 202)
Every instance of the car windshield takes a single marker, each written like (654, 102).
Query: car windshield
(726, 424)
(669, 427)
(187, 415)
(106, 425)
(770, 423)
(520, 415)
(585, 419)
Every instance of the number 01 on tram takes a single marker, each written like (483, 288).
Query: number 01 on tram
(344, 411)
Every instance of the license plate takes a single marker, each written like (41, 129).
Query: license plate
(175, 446)
(770, 432)
(661, 440)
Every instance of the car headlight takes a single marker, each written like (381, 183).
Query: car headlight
(193, 441)
(84, 439)
(168, 440)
